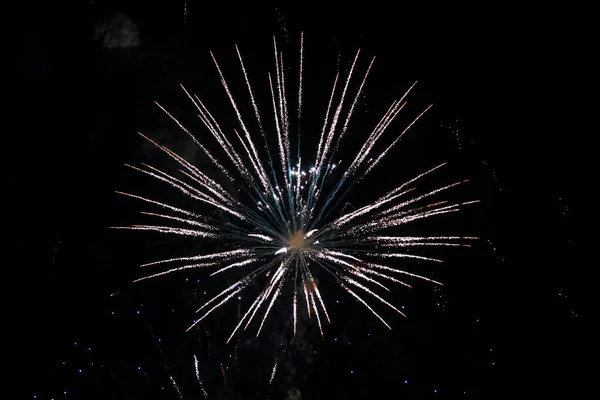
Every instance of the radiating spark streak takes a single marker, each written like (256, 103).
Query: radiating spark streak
(419, 198)
(375, 135)
(258, 119)
(176, 386)
(403, 217)
(260, 171)
(179, 210)
(403, 255)
(392, 195)
(352, 269)
(265, 294)
(399, 271)
(351, 112)
(187, 192)
(174, 270)
(255, 163)
(364, 210)
(277, 275)
(366, 289)
(184, 220)
(340, 254)
(285, 106)
(168, 229)
(208, 154)
(197, 178)
(254, 104)
(215, 129)
(417, 238)
(283, 103)
(392, 221)
(279, 85)
(236, 285)
(321, 140)
(377, 224)
(276, 228)
(269, 307)
(306, 297)
(198, 377)
(201, 178)
(215, 307)
(212, 256)
(309, 233)
(282, 154)
(300, 84)
(284, 131)
(252, 307)
(237, 264)
(259, 302)
(352, 215)
(240, 285)
(396, 141)
(316, 290)
(416, 244)
(308, 291)
(362, 154)
(405, 184)
(263, 237)
(295, 301)
(366, 305)
(223, 373)
(363, 276)
(337, 114)
(314, 305)
(182, 184)
(273, 372)
(384, 123)
(384, 276)
(276, 278)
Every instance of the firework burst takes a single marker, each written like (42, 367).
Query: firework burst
(282, 228)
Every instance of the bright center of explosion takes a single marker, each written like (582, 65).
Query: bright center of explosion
(297, 241)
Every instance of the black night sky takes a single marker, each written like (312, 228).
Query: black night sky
(504, 83)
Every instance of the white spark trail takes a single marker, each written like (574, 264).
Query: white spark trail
(176, 387)
(263, 237)
(336, 115)
(169, 229)
(215, 307)
(273, 372)
(237, 264)
(184, 220)
(197, 371)
(221, 255)
(260, 170)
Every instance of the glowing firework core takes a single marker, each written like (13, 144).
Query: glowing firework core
(297, 241)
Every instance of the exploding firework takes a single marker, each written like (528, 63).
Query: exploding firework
(279, 222)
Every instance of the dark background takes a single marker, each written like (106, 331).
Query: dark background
(507, 87)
